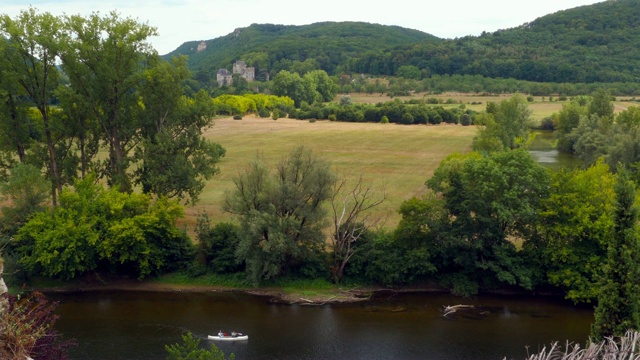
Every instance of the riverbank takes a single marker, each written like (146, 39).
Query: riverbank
(302, 295)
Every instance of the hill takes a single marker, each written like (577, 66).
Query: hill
(594, 43)
(275, 47)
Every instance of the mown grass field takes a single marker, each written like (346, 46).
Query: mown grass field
(394, 157)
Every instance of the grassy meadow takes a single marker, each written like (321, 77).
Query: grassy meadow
(398, 158)
(394, 157)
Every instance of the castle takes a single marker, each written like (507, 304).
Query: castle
(224, 77)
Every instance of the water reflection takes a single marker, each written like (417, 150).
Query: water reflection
(543, 151)
(410, 326)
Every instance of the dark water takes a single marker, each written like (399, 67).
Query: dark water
(137, 325)
(543, 151)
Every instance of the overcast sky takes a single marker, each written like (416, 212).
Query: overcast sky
(179, 21)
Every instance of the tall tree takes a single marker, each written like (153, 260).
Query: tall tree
(175, 157)
(508, 122)
(281, 213)
(576, 220)
(31, 56)
(618, 308)
(491, 201)
(104, 60)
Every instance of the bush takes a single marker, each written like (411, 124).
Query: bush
(312, 120)
(237, 117)
(465, 120)
(275, 115)
(217, 245)
(547, 124)
(263, 113)
(384, 120)
(332, 117)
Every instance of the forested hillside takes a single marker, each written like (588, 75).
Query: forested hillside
(275, 47)
(588, 44)
(596, 43)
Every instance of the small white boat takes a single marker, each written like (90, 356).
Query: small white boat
(227, 337)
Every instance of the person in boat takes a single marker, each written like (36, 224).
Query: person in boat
(220, 334)
(234, 334)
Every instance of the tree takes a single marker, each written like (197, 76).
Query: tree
(176, 159)
(291, 85)
(575, 222)
(217, 245)
(618, 308)
(351, 220)
(409, 72)
(601, 104)
(32, 51)
(491, 202)
(568, 119)
(25, 194)
(16, 126)
(104, 58)
(507, 123)
(281, 213)
(190, 350)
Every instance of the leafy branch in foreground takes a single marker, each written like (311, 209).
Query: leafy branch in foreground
(190, 350)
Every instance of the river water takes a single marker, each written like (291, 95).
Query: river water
(137, 325)
(543, 151)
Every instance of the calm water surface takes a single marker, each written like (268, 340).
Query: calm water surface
(137, 325)
(543, 151)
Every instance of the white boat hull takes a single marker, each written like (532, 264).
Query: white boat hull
(228, 338)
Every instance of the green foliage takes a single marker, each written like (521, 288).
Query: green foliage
(409, 72)
(105, 58)
(314, 86)
(491, 202)
(95, 229)
(217, 245)
(25, 193)
(506, 125)
(618, 309)
(588, 44)
(281, 213)
(576, 221)
(31, 49)
(190, 350)
(300, 49)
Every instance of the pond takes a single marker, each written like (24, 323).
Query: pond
(137, 325)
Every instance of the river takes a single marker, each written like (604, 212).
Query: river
(543, 150)
(137, 325)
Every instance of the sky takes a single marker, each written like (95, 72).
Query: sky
(179, 21)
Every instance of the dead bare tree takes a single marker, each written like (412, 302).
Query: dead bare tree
(351, 219)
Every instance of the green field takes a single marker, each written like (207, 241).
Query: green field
(396, 157)
(399, 158)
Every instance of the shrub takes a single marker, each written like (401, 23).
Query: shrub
(237, 117)
(217, 245)
(384, 120)
(263, 113)
(332, 117)
(465, 120)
